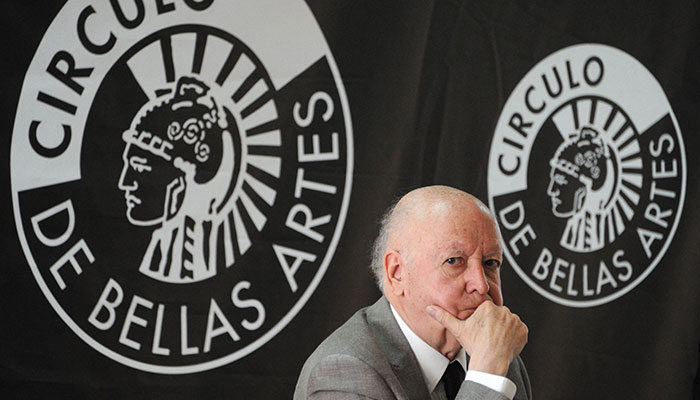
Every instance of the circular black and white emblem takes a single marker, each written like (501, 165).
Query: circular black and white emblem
(587, 175)
(181, 174)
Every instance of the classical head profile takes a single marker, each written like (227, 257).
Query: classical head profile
(582, 180)
(168, 147)
(580, 174)
(178, 168)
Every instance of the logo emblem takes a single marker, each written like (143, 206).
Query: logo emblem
(181, 175)
(587, 175)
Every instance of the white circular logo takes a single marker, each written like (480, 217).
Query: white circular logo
(181, 174)
(587, 175)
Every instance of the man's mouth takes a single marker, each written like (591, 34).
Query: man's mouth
(132, 200)
(466, 313)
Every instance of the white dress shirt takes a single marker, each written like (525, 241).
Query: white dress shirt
(433, 364)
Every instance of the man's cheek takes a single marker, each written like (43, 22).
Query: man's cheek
(496, 295)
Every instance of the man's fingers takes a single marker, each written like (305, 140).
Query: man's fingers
(444, 318)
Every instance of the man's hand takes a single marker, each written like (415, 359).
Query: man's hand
(492, 336)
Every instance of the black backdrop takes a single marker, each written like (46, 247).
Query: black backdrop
(426, 83)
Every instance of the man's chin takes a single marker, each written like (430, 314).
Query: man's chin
(136, 221)
(561, 214)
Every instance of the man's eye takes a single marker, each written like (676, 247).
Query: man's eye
(452, 260)
(139, 165)
(492, 263)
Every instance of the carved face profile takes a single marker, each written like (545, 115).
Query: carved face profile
(578, 169)
(173, 142)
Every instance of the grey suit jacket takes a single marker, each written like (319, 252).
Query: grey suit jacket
(369, 358)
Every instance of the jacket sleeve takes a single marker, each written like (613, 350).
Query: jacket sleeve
(516, 373)
(341, 376)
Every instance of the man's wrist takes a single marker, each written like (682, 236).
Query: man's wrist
(498, 383)
(489, 365)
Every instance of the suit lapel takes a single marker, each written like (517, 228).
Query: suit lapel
(397, 350)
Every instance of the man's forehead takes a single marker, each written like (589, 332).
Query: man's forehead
(432, 208)
(490, 246)
(148, 142)
(456, 227)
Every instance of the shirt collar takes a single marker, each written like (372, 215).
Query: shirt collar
(432, 363)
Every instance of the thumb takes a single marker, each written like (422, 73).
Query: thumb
(445, 319)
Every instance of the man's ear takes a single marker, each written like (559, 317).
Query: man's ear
(393, 271)
(175, 192)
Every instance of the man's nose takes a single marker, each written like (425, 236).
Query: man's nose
(126, 182)
(475, 278)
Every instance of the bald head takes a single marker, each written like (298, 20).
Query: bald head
(420, 209)
(426, 203)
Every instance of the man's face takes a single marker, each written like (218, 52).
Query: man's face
(144, 179)
(454, 261)
(562, 189)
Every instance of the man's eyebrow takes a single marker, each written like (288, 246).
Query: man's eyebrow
(134, 159)
(494, 254)
(449, 252)
(455, 249)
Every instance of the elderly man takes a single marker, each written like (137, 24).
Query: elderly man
(437, 261)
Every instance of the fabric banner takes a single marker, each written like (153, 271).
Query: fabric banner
(192, 187)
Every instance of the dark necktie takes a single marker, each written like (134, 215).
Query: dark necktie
(452, 379)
